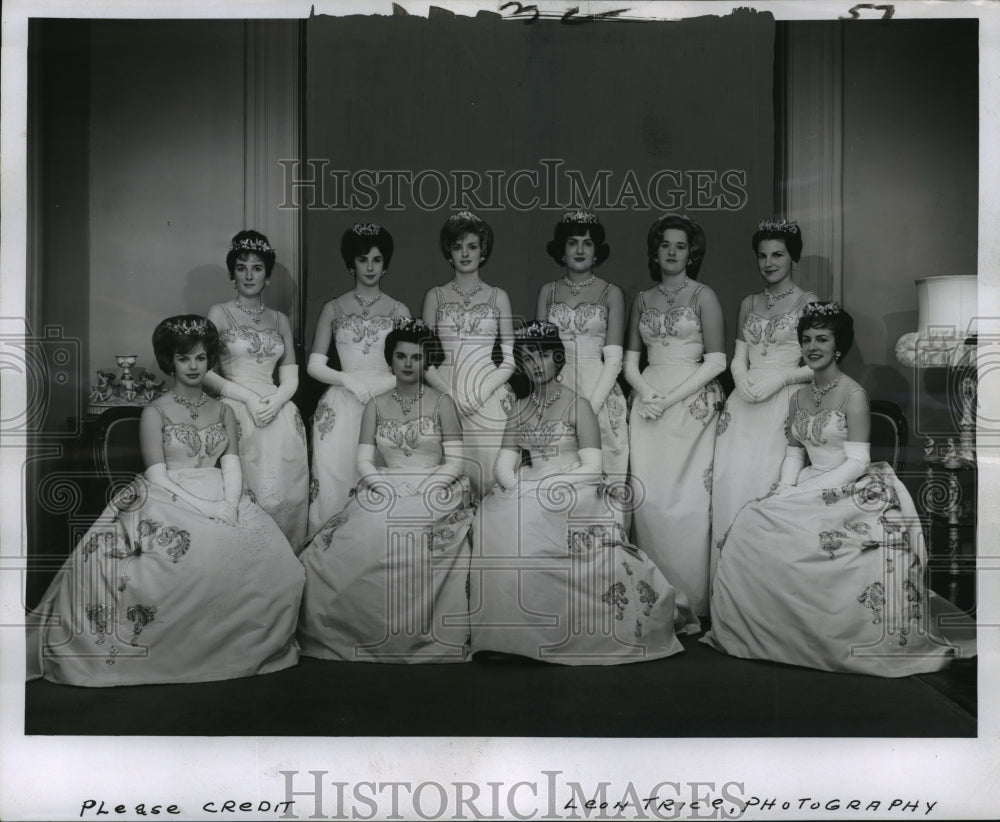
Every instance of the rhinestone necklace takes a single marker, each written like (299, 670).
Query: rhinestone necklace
(366, 305)
(467, 295)
(576, 288)
(192, 405)
(772, 299)
(671, 293)
(818, 393)
(255, 314)
(406, 403)
(543, 406)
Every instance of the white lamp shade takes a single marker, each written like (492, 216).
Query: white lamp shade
(947, 306)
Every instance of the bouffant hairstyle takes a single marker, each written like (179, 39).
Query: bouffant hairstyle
(578, 224)
(418, 333)
(832, 316)
(460, 224)
(361, 238)
(246, 243)
(787, 231)
(695, 237)
(178, 335)
(538, 336)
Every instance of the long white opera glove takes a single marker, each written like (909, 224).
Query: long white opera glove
(232, 478)
(218, 384)
(364, 464)
(496, 378)
(739, 368)
(712, 365)
(591, 462)
(505, 468)
(608, 377)
(857, 458)
(318, 369)
(791, 465)
(647, 394)
(763, 382)
(288, 384)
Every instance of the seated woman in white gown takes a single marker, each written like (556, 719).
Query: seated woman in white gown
(553, 576)
(183, 578)
(827, 570)
(387, 577)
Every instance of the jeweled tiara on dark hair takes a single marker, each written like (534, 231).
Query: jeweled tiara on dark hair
(465, 215)
(197, 327)
(779, 226)
(247, 244)
(830, 309)
(366, 229)
(580, 216)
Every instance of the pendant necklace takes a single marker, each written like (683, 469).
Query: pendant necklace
(366, 305)
(406, 403)
(773, 299)
(543, 406)
(467, 295)
(671, 293)
(255, 314)
(818, 393)
(576, 288)
(191, 405)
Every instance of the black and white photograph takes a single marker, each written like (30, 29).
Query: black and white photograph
(553, 410)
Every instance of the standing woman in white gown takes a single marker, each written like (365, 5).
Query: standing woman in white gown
(471, 317)
(253, 339)
(358, 322)
(590, 315)
(676, 405)
(766, 372)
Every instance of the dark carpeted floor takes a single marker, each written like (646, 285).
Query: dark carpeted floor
(697, 693)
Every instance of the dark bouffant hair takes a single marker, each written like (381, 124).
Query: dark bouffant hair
(246, 243)
(831, 316)
(540, 336)
(696, 243)
(418, 333)
(578, 224)
(460, 224)
(361, 238)
(785, 230)
(178, 335)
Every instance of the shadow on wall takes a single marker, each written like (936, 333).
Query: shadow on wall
(815, 274)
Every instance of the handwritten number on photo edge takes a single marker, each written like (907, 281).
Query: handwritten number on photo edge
(887, 10)
(519, 9)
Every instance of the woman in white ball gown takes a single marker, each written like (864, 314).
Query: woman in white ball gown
(183, 578)
(828, 570)
(253, 339)
(553, 576)
(386, 578)
(357, 322)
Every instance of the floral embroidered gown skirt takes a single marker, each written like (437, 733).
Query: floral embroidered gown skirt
(158, 593)
(387, 577)
(672, 481)
(832, 579)
(555, 579)
(335, 430)
(274, 458)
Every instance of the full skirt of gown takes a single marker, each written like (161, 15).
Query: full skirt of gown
(386, 578)
(749, 447)
(156, 592)
(335, 429)
(554, 578)
(672, 481)
(275, 466)
(832, 579)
